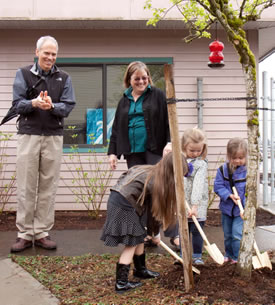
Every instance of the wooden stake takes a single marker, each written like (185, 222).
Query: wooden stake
(178, 174)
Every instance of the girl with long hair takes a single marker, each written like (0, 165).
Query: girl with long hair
(141, 189)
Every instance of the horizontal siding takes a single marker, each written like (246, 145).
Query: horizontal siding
(222, 119)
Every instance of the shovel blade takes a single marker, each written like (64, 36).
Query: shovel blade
(261, 261)
(265, 261)
(256, 263)
(215, 253)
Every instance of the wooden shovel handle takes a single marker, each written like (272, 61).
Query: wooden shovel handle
(238, 201)
(174, 254)
(263, 262)
(198, 225)
(242, 210)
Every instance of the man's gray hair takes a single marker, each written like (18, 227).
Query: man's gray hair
(43, 39)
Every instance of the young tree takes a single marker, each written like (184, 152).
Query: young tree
(199, 15)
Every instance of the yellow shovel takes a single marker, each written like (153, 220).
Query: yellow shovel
(212, 249)
(174, 254)
(262, 259)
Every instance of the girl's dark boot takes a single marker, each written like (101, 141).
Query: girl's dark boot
(122, 283)
(140, 269)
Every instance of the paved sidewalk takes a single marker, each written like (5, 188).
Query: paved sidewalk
(17, 287)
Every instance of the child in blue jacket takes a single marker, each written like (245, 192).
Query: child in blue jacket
(232, 173)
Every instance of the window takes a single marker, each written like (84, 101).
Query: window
(98, 89)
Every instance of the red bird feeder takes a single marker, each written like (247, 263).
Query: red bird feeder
(216, 57)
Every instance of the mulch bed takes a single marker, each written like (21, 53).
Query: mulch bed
(80, 220)
(215, 285)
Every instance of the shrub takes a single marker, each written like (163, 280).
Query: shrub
(91, 182)
(7, 185)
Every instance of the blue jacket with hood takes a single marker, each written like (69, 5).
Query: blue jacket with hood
(222, 188)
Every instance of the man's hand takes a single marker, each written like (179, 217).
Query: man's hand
(43, 101)
(48, 99)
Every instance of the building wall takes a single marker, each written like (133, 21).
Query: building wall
(222, 119)
(92, 9)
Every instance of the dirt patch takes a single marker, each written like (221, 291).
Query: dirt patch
(263, 218)
(80, 220)
(64, 220)
(223, 283)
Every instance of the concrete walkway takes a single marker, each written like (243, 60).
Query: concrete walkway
(17, 287)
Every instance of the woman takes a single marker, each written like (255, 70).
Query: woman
(140, 130)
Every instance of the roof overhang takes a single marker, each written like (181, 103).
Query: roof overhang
(35, 24)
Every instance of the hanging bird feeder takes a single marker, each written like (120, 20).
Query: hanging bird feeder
(216, 56)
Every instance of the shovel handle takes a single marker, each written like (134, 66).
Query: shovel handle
(198, 225)
(238, 201)
(255, 246)
(174, 254)
(258, 253)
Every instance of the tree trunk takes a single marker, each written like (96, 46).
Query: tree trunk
(244, 265)
(179, 182)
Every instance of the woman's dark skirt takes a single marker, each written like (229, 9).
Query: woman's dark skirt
(123, 225)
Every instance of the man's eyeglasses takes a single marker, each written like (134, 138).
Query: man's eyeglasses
(143, 78)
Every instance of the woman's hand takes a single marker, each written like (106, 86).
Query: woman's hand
(113, 161)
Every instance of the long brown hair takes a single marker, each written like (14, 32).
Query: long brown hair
(161, 176)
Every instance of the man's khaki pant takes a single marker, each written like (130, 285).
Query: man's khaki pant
(38, 169)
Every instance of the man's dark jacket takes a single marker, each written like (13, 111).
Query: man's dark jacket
(156, 122)
(34, 120)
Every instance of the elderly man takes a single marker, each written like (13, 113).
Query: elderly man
(42, 96)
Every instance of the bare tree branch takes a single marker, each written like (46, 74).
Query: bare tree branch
(242, 9)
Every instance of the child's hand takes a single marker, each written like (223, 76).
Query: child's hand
(193, 211)
(242, 215)
(167, 149)
(156, 239)
(235, 198)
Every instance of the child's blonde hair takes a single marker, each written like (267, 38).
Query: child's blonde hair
(194, 135)
(235, 145)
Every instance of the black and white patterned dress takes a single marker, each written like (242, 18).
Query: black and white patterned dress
(123, 225)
